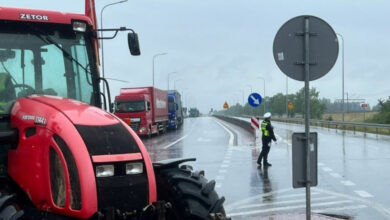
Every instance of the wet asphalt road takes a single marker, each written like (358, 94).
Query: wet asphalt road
(353, 169)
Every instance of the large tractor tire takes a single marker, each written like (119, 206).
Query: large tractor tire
(192, 197)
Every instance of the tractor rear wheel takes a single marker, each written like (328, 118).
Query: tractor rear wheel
(192, 197)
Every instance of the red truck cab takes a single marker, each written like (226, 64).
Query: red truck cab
(145, 109)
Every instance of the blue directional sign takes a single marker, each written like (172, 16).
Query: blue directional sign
(255, 99)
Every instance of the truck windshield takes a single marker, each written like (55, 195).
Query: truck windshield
(130, 106)
(171, 104)
(49, 59)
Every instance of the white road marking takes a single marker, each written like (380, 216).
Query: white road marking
(379, 207)
(175, 142)
(335, 175)
(231, 139)
(201, 139)
(339, 208)
(363, 193)
(327, 169)
(285, 202)
(321, 164)
(287, 208)
(226, 161)
(218, 185)
(225, 165)
(220, 177)
(347, 183)
(297, 195)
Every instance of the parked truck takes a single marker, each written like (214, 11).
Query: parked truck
(194, 112)
(145, 109)
(176, 117)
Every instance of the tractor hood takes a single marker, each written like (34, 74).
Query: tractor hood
(77, 112)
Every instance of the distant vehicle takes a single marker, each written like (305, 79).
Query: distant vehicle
(175, 108)
(194, 112)
(145, 109)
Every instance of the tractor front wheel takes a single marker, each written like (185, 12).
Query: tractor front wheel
(192, 197)
(8, 208)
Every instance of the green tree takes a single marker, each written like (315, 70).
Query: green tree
(317, 108)
(278, 104)
(383, 117)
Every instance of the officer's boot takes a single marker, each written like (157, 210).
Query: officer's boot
(266, 164)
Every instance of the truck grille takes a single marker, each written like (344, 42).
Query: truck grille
(134, 126)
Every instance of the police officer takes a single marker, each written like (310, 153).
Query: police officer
(267, 137)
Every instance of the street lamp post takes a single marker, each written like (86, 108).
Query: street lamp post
(263, 91)
(250, 86)
(342, 70)
(174, 83)
(169, 74)
(101, 34)
(243, 102)
(154, 57)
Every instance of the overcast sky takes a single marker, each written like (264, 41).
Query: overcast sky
(219, 47)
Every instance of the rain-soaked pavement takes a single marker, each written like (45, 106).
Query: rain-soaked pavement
(353, 170)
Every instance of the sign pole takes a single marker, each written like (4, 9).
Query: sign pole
(307, 116)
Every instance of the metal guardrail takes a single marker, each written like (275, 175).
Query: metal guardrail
(365, 127)
(241, 123)
(353, 126)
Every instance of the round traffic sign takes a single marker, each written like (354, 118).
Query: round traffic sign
(255, 99)
(289, 47)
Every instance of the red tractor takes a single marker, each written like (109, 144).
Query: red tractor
(61, 156)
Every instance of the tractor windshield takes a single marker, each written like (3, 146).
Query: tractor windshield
(49, 59)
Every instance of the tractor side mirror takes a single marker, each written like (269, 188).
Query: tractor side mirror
(177, 106)
(132, 40)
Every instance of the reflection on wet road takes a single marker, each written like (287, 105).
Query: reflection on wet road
(352, 171)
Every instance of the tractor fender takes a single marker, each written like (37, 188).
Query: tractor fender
(174, 162)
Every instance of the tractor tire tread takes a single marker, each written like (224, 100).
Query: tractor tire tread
(191, 195)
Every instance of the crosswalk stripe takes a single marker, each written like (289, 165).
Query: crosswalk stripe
(286, 202)
(339, 208)
(287, 208)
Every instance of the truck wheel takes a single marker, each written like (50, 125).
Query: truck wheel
(8, 208)
(192, 197)
(150, 133)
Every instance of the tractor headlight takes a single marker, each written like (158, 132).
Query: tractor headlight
(104, 170)
(142, 129)
(79, 26)
(134, 168)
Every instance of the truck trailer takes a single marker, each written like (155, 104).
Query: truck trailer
(145, 109)
(175, 109)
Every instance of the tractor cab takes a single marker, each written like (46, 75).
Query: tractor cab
(47, 59)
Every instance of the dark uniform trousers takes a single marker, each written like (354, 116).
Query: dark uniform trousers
(267, 137)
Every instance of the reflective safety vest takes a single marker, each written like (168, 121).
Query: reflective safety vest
(264, 128)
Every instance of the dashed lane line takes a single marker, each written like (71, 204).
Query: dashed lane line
(363, 193)
(347, 183)
(175, 142)
(335, 175)
(327, 169)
